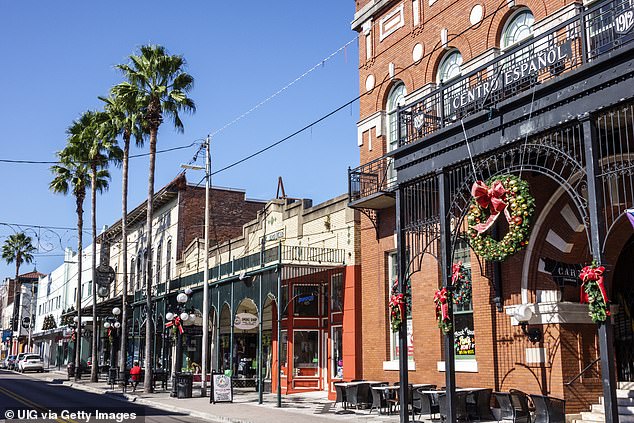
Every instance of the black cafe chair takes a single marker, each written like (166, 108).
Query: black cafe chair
(512, 407)
(548, 409)
(461, 406)
(424, 403)
(341, 395)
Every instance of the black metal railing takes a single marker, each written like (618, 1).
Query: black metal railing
(371, 178)
(583, 38)
(592, 33)
(290, 255)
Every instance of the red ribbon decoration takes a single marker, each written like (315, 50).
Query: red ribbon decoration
(176, 323)
(592, 273)
(493, 199)
(442, 305)
(398, 300)
(455, 271)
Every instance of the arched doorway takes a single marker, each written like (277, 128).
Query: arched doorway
(623, 295)
(245, 340)
(224, 338)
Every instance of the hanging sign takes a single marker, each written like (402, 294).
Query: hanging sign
(221, 388)
(464, 341)
(511, 72)
(245, 321)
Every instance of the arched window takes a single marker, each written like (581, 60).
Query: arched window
(159, 251)
(449, 66)
(168, 260)
(519, 27)
(132, 270)
(395, 98)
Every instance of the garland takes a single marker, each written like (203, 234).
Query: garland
(175, 324)
(442, 301)
(593, 292)
(504, 194)
(461, 281)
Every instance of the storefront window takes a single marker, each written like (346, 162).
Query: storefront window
(337, 352)
(464, 334)
(284, 349)
(284, 304)
(306, 303)
(336, 293)
(306, 352)
(392, 280)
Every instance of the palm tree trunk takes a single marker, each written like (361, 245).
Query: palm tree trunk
(95, 327)
(80, 239)
(124, 243)
(149, 332)
(16, 300)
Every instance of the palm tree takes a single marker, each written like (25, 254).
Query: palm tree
(158, 83)
(125, 117)
(90, 139)
(17, 248)
(73, 175)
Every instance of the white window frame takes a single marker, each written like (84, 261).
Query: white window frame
(394, 20)
(504, 45)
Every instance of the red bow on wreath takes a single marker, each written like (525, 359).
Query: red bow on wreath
(442, 305)
(397, 301)
(595, 274)
(176, 323)
(455, 272)
(492, 198)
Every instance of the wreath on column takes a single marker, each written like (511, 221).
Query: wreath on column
(399, 306)
(442, 299)
(507, 195)
(593, 292)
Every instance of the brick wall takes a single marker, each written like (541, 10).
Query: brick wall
(229, 211)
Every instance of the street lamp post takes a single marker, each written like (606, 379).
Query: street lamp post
(205, 340)
(176, 321)
(110, 324)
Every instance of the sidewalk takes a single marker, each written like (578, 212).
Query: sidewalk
(309, 407)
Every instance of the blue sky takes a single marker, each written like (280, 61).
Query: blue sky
(59, 56)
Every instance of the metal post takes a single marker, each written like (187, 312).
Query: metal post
(279, 327)
(31, 323)
(206, 272)
(261, 315)
(402, 286)
(597, 234)
(445, 274)
(231, 317)
(219, 357)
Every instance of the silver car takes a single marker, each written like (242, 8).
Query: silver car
(31, 362)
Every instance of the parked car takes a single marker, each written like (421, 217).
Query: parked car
(31, 362)
(18, 358)
(9, 362)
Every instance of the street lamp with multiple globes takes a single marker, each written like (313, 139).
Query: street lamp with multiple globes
(110, 324)
(176, 321)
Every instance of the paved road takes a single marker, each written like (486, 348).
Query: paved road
(28, 399)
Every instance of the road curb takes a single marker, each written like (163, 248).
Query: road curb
(150, 403)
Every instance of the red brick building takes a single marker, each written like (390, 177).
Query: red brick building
(453, 92)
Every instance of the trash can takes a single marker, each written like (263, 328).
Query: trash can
(184, 384)
(70, 370)
(112, 375)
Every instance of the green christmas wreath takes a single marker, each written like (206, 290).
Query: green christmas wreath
(507, 195)
(461, 281)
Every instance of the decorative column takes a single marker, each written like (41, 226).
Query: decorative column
(597, 236)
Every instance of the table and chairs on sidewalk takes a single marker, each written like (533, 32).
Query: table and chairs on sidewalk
(471, 404)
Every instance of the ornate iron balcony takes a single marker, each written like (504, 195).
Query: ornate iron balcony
(371, 185)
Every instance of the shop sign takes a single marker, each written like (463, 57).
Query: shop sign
(6, 335)
(306, 300)
(105, 275)
(221, 388)
(624, 21)
(563, 273)
(275, 236)
(464, 342)
(245, 321)
(551, 56)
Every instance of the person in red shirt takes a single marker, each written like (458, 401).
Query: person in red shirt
(135, 375)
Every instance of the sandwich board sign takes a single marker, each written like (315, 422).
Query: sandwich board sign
(221, 388)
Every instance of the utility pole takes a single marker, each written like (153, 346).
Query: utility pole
(205, 351)
(31, 322)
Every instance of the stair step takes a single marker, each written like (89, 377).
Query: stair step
(628, 402)
(592, 417)
(623, 410)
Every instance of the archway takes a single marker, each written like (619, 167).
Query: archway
(245, 340)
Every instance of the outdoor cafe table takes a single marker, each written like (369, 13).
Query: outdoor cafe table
(346, 385)
(394, 388)
(431, 393)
